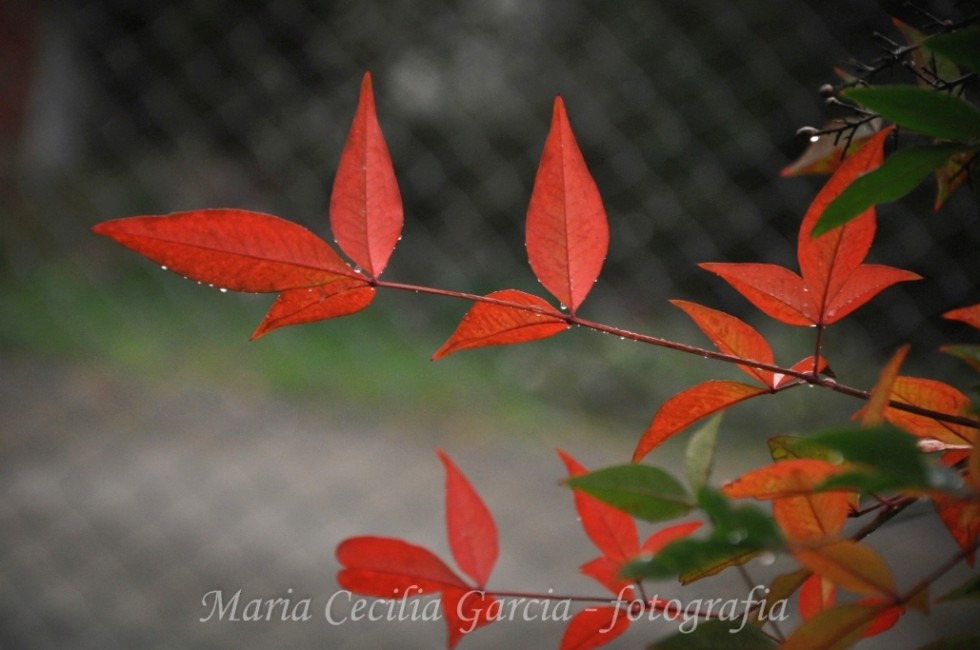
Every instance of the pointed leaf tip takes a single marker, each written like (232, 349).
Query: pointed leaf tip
(365, 205)
(567, 235)
(469, 524)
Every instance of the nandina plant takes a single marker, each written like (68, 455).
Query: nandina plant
(913, 438)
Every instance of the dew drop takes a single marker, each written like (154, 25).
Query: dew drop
(767, 558)
(163, 266)
(223, 290)
(814, 138)
(737, 536)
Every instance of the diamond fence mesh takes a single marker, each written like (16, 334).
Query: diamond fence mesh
(686, 112)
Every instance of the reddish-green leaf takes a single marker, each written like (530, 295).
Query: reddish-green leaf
(611, 530)
(515, 317)
(231, 249)
(833, 629)
(594, 627)
(825, 153)
(969, 315)
(365, 205)
(849, 565)
(567, 234)
(465, 611)
(690, 405)
(950, 176)
(886, 617)
(386, 568)
(304, 305)
(472, 531)
(732, 336)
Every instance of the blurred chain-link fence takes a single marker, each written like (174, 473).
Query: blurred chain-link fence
(685, 111)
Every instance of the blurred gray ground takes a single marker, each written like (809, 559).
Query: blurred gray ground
(149, 455)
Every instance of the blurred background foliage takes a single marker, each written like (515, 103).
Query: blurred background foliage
(686, 114)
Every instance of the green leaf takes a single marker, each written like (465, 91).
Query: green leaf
(897, 176)
(700, 452)
(639, 490)
(969, 590)
(962, 47)
(737, 535)
(924, 111)
(793, 447)
(716, 635)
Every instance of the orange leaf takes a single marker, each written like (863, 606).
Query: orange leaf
(962, 520)
(837, 628)
(816, 595)
(594, 627)
(689, 406)
(934, 395)
(388, 568)
(874, 412)
(502, 324)
(849, 565)
(472, 531)
(811, 517)
(792, 477)
(365, 204)
(567, 234)
(802, 514)
(732, 336)
(232, 249)
(331, 300)
(969, 315)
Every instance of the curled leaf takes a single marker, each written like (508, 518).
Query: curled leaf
(337, 298)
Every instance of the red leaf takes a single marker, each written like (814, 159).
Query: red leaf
(594, 627)
(732, 336)
(231, 249)
(832, 281)
(501, 324)
(816, 595)
(466, 611)
(689, 406)
(883, 620)
(386, 567)
(365, 205)
(567, 234)
(337, 298)
(969, 315)
(611, 530)
(775, 290)
(472, 531)
(605, 571)
(803, 365)
(665, 536)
